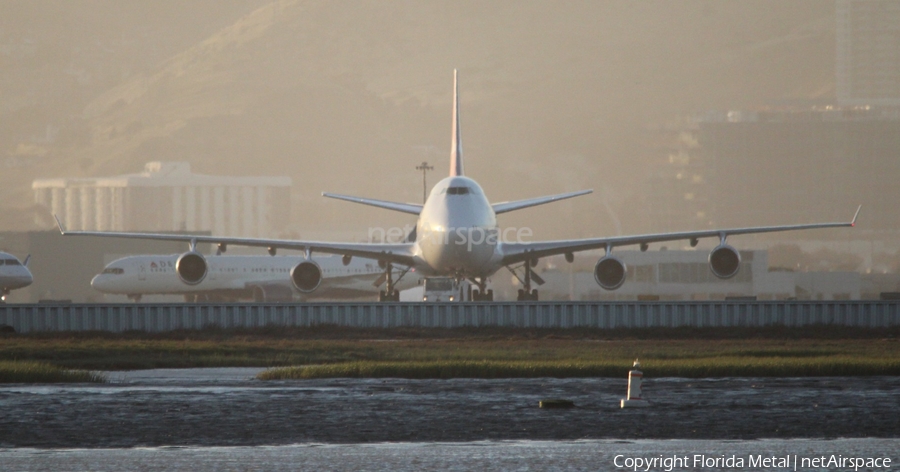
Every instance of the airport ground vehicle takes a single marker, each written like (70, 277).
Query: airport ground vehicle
(446, 289)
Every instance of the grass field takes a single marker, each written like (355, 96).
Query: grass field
(39, 372)
(702, 367)
(329, 351)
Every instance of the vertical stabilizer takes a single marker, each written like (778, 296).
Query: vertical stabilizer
(456, 153)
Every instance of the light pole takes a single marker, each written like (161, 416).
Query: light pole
(424, 168)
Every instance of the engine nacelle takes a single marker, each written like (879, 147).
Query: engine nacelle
(191, 268)
(724, 261)
(610, 273)
(306, 276)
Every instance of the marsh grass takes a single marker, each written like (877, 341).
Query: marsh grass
(329, 351)
(689, 368)
(40, 372)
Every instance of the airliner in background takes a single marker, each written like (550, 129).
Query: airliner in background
(13, 274)
(235, 278)
(457, 236)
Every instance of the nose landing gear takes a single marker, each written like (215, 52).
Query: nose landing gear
(481, 294)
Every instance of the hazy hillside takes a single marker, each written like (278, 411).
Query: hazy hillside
(56, 56)
(349, 97)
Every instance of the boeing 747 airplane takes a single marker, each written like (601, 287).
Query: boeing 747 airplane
(457, 235)
(234, 278)
(13, 274)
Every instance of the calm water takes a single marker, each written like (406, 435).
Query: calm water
(224, 419)
(588, 455)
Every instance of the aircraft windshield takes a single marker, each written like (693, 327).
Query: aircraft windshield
(457, 190)
(9, 262)
(113, 270)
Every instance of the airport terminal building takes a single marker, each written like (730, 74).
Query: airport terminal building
(167, 196)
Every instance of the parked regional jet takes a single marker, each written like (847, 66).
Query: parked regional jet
(231, 278)
(457, 235)
(13, 274)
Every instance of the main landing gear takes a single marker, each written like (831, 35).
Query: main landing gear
(389, 294)
(526, 293)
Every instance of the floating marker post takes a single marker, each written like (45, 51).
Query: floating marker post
(633, 397)
(556, 403)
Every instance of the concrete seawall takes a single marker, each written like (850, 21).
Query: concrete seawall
(165, 317)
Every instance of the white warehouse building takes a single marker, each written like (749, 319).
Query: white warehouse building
(685, 275)
(166, 196)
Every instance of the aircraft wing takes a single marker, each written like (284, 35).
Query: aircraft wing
(504, 207)
(410, 208)
(520, 252)
(394, 253)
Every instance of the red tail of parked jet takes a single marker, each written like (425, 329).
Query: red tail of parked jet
(456, 154)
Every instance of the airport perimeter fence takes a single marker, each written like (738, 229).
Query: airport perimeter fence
(608, 315)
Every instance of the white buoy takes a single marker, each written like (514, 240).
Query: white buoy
(633, 396)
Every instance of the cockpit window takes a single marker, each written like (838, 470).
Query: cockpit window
(457, 190)
(10, 262)
(113, 270)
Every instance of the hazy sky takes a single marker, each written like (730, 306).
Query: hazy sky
(350, 97)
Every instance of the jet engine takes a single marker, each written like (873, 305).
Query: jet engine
(191, 268)
(724, 261)
(610, 273)
(306, 276)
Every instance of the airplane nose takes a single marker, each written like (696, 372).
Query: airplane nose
(22, 279)
(456, 236)
(98, 282)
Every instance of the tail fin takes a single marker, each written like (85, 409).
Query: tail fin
(456, 154)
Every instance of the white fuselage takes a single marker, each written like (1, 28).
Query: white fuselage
(457, 232)
(236, 276)
(13, 274)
